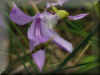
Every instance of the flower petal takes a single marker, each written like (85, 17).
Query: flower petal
(77, 17)
(64, 44)
(31, 31)
(60, 2)
(1, 21)
(19, 17)
(58, 40)
(53, 4)
(39, 58)
(32, 28)
(33, 43)
(31, 36)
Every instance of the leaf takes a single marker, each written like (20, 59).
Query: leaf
(97, 8)
(80, 65)
(88, 66)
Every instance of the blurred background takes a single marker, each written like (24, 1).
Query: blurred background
(13, 47)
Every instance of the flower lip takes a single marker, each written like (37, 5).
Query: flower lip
(48, 19)
(36, 38)
(58, 40)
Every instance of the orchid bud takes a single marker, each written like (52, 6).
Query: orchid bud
(62, 14)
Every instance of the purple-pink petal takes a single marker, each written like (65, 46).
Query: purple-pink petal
(62, 1)
(53, 4)
(62, 43)
(39, 58)
(77, 17)
(19, 17)
(59, 2)
(31, 33)
(1, 21)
